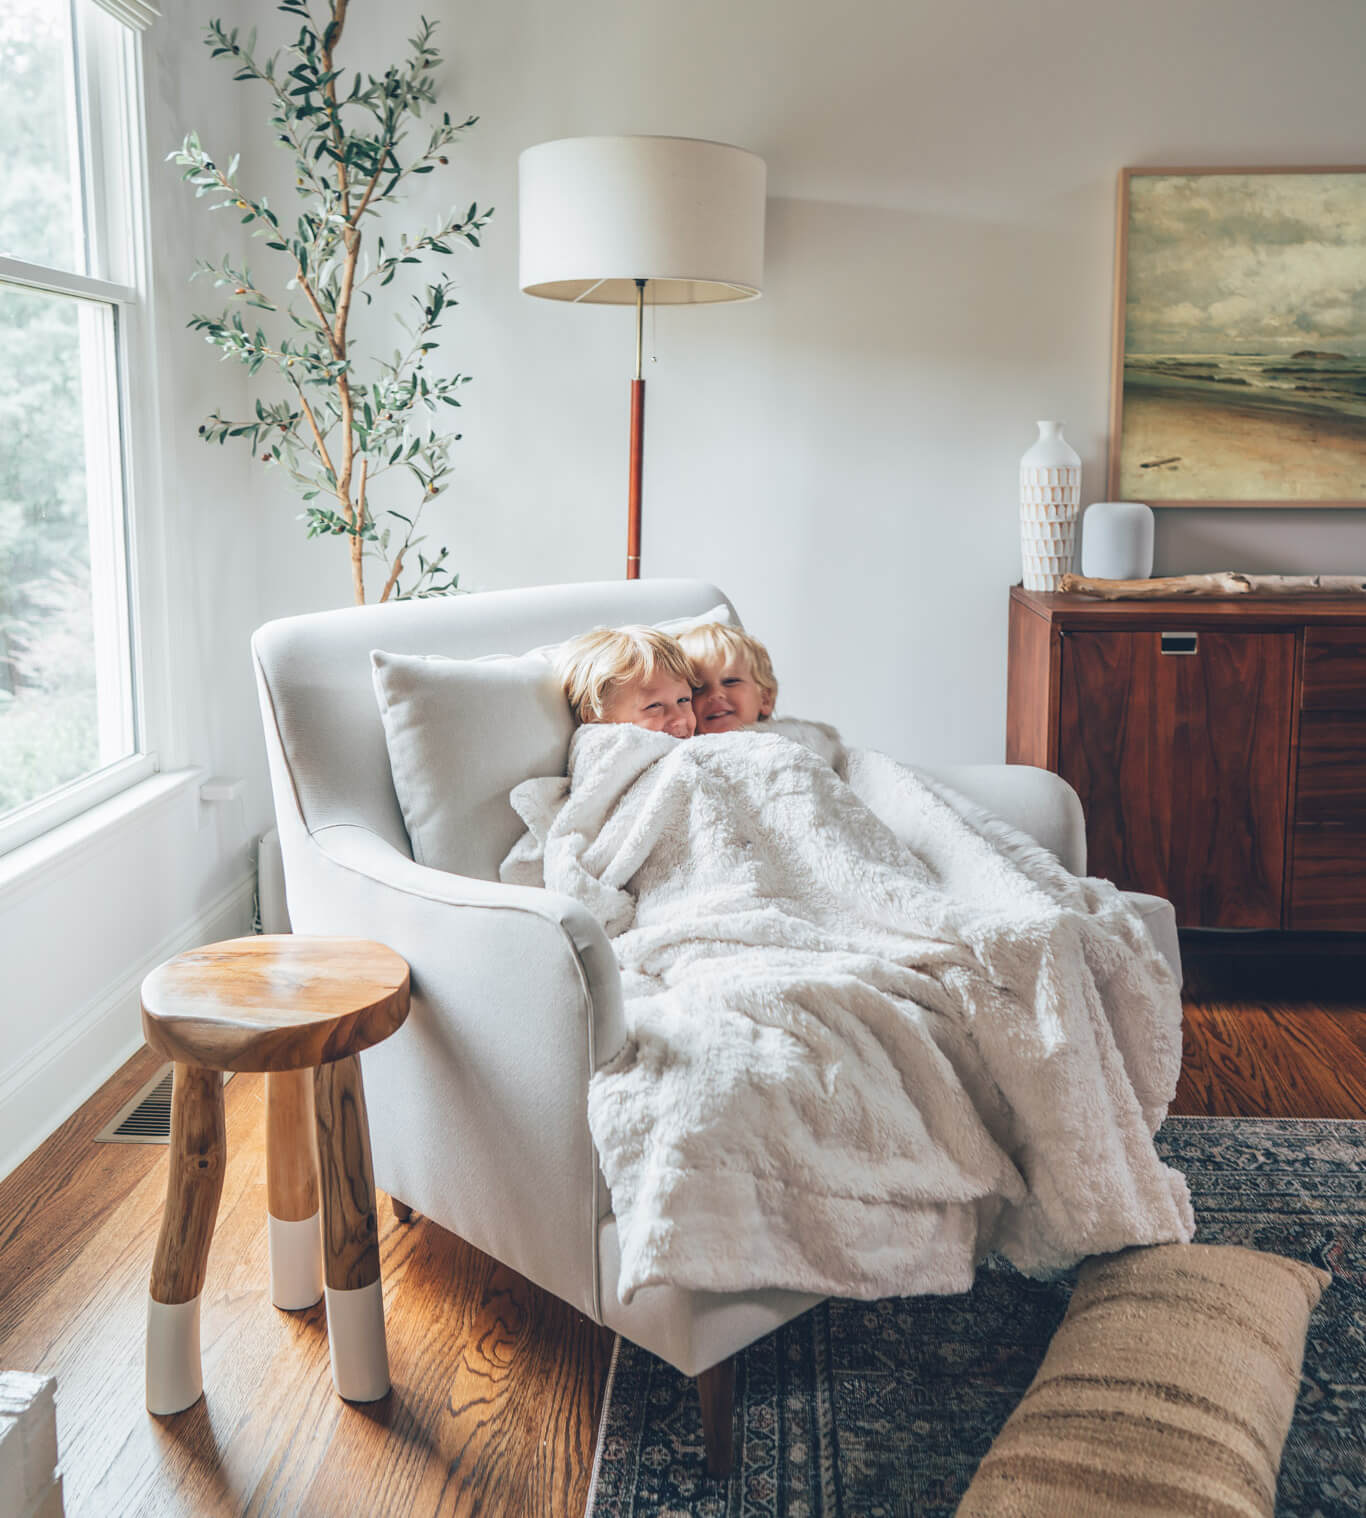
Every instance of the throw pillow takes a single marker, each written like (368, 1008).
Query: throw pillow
(1168, 1388)
(461, 733)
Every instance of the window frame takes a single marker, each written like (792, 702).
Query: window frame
(107, 65)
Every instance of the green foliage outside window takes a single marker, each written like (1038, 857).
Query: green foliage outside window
(48, 729)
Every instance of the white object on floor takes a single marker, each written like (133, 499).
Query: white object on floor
(175, 1376)
(355, 1336)
(1117, 540)
(874, 1033)
(30, 1486)
(1050, 496)
(296, 1262)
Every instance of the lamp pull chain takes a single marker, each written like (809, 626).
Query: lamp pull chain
(654, 318)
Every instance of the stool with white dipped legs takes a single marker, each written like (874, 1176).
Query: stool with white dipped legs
(299, 1009)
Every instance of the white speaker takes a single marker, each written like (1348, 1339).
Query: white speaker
(1117, 541)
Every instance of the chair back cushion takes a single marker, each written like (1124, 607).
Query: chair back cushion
(330, 762)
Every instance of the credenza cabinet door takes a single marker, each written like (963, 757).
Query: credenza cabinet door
(1328, 889)
(1178, 744)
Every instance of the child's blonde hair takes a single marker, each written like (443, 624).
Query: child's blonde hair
(718, 640)
(595, 665)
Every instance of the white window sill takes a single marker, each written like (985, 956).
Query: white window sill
(63, 845)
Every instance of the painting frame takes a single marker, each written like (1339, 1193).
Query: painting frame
(1120, 355)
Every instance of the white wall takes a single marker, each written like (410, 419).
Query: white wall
(77, 935)
(841, 455)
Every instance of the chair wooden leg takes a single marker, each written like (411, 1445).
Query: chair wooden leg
(355, 1301)
(716, 1393)
(296, 1267)
(402, 1211)
(198, 1158)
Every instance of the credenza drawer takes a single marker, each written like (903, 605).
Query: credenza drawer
(1328, 889)
(1331, 786)
(1334, 669)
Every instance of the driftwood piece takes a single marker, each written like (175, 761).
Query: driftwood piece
(1222, 582)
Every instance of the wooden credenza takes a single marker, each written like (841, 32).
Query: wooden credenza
(1218, 747)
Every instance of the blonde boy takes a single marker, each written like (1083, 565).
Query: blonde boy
(736, 688)
(735, 683)
(630, 674)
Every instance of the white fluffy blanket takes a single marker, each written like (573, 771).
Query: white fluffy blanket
(873, 1032)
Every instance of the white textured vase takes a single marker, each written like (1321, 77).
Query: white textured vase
(1050, 496)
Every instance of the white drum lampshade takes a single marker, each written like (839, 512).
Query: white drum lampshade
(599, 213)
(613, 221)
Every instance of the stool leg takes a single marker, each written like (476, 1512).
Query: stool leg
(355, 1301)
(175, 1377)
(296, 1254)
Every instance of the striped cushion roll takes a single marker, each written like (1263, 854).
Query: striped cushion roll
(1168, 1389)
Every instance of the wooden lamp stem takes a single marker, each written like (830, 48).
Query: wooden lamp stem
(637, 445)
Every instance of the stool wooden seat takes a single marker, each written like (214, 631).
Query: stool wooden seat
(300, 1009)
(277, 1002)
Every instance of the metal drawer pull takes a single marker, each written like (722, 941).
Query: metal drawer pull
(1180, 643)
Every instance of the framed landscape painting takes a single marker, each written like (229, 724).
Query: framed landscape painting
(1240, 338)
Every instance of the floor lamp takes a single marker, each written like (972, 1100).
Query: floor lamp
(617, 221)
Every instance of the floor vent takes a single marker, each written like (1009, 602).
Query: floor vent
(146, 1119)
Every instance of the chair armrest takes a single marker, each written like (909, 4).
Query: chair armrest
(364, 853)
(478, 1105)
(1036, 801)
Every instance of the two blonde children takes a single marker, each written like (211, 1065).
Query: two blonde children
(712, 679)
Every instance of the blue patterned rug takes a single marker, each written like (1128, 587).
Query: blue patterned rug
(884, 1409)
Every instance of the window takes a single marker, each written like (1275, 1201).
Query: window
(71, 729)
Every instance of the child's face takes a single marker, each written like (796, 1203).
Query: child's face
(661, 703)
(727, 698)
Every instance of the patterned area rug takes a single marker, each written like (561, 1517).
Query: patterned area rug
(884, 1409)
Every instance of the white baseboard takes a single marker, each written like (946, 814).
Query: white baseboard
(77, 1057)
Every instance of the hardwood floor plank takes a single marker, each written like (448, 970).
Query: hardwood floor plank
(46, 1194)
(1242, 1060)
(1197, 1086)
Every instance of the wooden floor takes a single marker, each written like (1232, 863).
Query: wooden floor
(1274, 1038)
(497, 1386)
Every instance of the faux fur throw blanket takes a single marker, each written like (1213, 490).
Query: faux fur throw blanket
(874, 1033)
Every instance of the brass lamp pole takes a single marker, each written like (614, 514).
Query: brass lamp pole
(637, 444)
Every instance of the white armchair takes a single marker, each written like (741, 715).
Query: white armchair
(478, 1107)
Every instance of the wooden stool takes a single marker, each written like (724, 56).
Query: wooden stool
(300, 1009)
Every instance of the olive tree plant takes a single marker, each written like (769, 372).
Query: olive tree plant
(360, 434)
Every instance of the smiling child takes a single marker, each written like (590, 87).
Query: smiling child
(630, 674)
